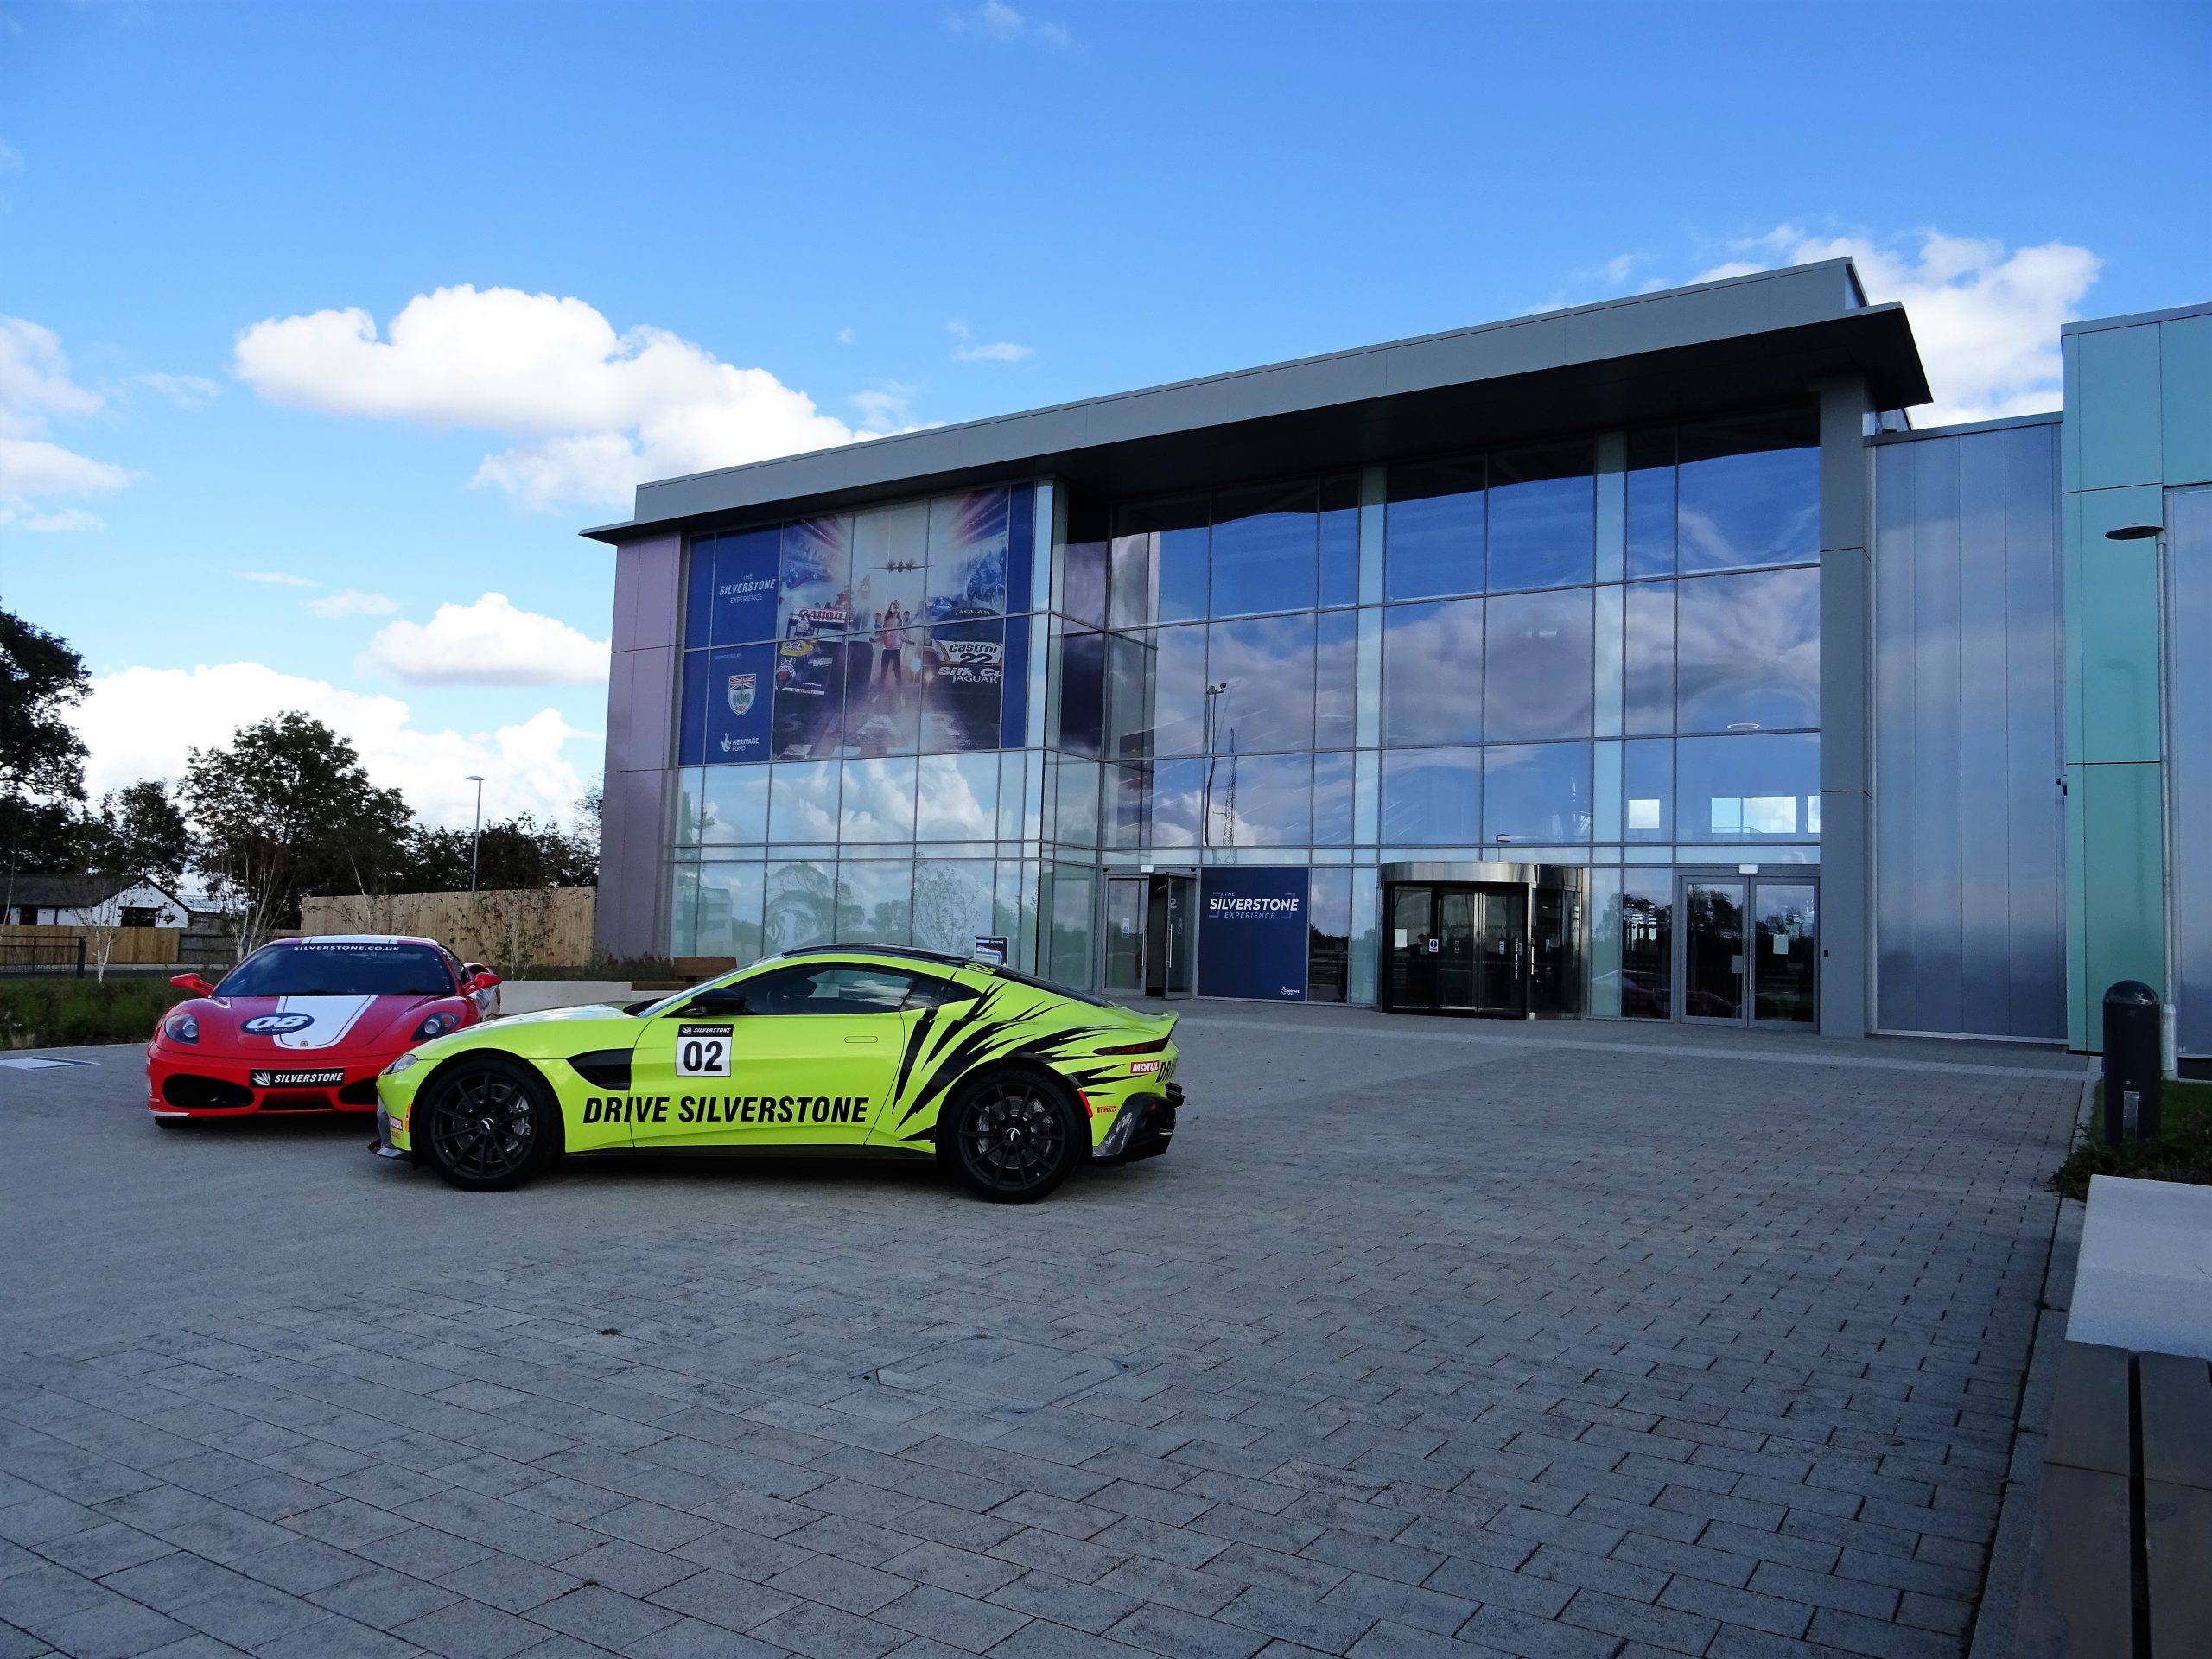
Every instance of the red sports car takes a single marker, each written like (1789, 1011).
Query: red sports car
(305, 1026)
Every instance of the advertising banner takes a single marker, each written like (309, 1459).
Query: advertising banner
(1252, 927)
(744, 587)
(967, 556)
(741, 686)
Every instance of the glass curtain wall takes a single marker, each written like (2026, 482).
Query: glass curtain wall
(853, 737)
(1602, 652)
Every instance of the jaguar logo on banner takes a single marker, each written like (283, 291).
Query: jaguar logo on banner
(742, 687)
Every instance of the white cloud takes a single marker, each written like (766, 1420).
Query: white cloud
(996, 21)
(595, 411)
(34, 389)
(997, 351)
(846, 336)
(64, 518)
(886, 407)
(488, 643)
(184, 390)
(1986, 316)
(280, 578)
(139, 723)
(11, 159)
(351, 601)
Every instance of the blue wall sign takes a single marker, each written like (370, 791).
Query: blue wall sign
(1252, 931)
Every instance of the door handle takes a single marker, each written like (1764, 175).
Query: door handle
(860, 1039)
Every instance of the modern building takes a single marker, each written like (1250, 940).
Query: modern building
(1637, 661)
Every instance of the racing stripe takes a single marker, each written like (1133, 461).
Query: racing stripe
(333, 1017)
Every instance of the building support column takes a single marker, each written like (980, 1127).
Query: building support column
(1847, 918)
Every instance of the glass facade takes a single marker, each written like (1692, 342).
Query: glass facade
(940, 719)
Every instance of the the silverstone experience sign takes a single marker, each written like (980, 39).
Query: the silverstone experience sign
(1252, 933)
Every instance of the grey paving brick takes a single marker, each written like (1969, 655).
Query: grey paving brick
(631, 1568)
(1291, 1618)
(1065, 1601)
(469, 1630)
(692, 1639)
(113, 1628)
(961, 1571)
(721, 1599)
(821, 1632)
(958, 1621)
(1824, 1590)
(249, 1614)
(1671, 1628)
(107, 1547)
(337, 1639)
(1878, 1638)
(603, 1617)
(840, 1584)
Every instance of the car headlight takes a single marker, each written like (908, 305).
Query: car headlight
(435, 1025)
(182, 1027)
(400, 1064)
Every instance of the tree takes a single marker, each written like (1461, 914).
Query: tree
(42, 757)
(515, 853)
(283, 811)
(138, 829)
(136, 835)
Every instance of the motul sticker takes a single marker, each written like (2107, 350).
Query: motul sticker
(1138, 1068)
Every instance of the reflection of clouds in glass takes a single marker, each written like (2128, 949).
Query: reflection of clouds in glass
(1759, 508)
(802, 802)
(1539, 793)
(1747, 787)
(730, 911)
(1261, 801)
(1748, 649)
(1432, 673)
(1179, 691)
(1647, 662)
(952, 905)
(1077, 818)
(879, 801)
(1267, 665)
(736, 810)
(1537, 680)
(1177, 787)
(872, 901)
(1331, 800)
(1432, 797)
(957, 798)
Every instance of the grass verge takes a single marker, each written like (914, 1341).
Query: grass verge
(60, 1013)
(2182, 1150)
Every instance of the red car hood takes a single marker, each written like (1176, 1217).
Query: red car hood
(303, 1029)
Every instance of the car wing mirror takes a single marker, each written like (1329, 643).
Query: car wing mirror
(192, 983)
(720, 1000)
(483, 979)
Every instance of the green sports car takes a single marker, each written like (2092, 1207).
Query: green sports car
(1008, 1080)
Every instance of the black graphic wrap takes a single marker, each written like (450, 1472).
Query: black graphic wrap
(999, 1024)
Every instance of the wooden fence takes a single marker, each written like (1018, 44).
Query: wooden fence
(133, 945)
(506, 931)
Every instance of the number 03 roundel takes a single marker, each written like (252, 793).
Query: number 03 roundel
(703, 1051)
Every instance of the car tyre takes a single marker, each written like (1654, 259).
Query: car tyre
(486, 1124)
(1012, 1136)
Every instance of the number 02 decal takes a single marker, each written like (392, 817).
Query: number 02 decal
(703, 1051)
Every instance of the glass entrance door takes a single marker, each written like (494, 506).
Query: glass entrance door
(1175, 903)
(1411, 981)
(1751, 951)
(1127, 907)
(1458, 949)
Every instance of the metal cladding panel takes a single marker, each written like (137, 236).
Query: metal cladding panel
(2189, 574)
(658, 569)
(1969, 820)
(652, 708)
(1738, 342)
(631, 870)
(2185, 387)
(2116, 401)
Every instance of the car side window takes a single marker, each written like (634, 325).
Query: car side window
(931, 992)
(827, 990)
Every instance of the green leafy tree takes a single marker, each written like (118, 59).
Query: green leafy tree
(42, 757)
(517, 853)
(139, 830)
(283, 811)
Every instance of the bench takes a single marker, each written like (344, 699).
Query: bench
(2119, 1565)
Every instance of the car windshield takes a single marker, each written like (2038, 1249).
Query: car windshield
(339, 968)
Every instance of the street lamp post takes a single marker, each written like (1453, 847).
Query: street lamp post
(476, 835)
(2168, 1036)
(1205, 788)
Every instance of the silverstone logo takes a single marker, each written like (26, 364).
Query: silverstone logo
(273, 1025)
(1225, 904)
(726, 1109)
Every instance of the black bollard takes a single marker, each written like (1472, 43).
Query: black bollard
(2132, 1048)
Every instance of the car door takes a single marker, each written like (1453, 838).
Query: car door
(809, 1061)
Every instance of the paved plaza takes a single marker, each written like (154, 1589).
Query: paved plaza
(1426, 1337)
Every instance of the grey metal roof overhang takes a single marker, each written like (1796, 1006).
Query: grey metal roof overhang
(1738, 344)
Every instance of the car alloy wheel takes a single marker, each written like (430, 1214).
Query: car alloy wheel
(1013, 1141)
(483, 1129)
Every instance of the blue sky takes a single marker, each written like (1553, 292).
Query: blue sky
(832, 219)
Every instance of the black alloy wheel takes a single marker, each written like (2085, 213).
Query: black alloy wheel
(488, 1128)
(1013, 1137)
